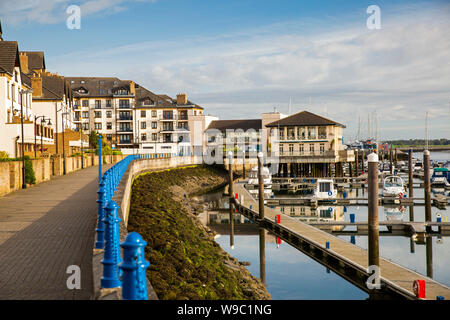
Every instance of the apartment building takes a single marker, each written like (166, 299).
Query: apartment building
(167, 125)
(104, 104)
(16, 106)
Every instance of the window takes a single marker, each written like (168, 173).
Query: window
(101, 82)
(98, 104)
(108, 104)
(311, 148)
(98, 114)
(154, 136)
(290, 133)
(109, 137)
(281, 149)
(143, 125)
(291, 149)
(13, 92)
(85, 126)
(322, 148)
(311, 133)
(301, 148)
(85, 103)
(124, 103)
(301, 133)
(168, 115)
(108, 114)
(324, 187)
(154, 114)
(102, 91)
(281, 133)
(154, 125)
(322, 132)
(98, 126)
(109, 125)
(143, 114)
(144, 137)
(168, 126)
(85, 114)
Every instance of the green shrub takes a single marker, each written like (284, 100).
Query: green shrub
(3, 155)
(30, 177)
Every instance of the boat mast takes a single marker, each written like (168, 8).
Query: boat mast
(426, 130)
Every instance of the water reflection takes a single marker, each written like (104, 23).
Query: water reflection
(278, 266)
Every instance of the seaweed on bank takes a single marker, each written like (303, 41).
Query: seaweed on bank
(185, 262)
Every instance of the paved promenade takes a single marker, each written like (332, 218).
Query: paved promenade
(45, 229)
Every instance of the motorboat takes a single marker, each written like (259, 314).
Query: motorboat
(418, 166)
(440, 177)
(393, 186)
(324, 189)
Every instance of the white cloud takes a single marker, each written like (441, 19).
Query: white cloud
(54, 11)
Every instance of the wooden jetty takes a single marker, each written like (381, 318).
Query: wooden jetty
(439, 202)
(343, 258)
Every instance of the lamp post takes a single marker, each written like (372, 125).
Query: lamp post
(22, 92)
(64, 146)
(35, 133)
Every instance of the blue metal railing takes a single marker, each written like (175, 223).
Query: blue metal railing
(128, 273)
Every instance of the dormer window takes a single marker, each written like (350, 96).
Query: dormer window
(82, 81)
(102, 91)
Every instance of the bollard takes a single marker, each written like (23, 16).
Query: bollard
(133, 267)
(278, 219)
(327, 244)
(440, 298)
(438, 217)
(352, 218)
(344, 194)
(419, 288)
(352, 240)
(236, 196)
(100, 243)
(110, 277)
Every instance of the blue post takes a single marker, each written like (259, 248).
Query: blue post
(327, 244)
(100, 212)
(344, 194)
(133, 268)
(100, 160)
(352, 218)
(110, 277)
(352, 240)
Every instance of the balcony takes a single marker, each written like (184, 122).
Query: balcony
(125, 118)
(183, 117)
(125, 130)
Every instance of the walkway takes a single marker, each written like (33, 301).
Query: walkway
(45, 229)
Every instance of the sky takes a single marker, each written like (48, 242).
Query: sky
(239, 58)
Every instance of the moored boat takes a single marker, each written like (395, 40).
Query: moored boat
(393, 186)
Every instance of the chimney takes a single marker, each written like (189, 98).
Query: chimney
(132, 87)
(181, 99)
(36, 85)
(24, 62)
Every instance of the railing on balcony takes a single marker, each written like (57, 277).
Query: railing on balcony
(125, 130)
(125, 118)
(316, 153)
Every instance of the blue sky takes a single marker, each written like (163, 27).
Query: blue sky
(241, 58)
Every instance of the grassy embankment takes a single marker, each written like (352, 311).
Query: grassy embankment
(185, 261)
